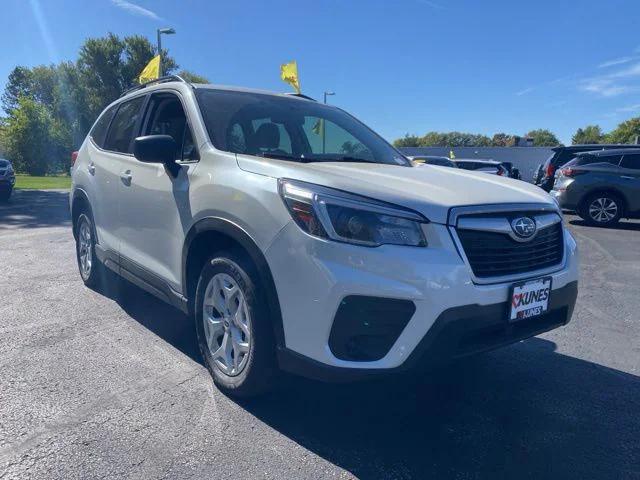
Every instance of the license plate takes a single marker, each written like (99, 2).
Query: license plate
(530, 299)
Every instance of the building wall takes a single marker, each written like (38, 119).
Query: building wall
(524, 158)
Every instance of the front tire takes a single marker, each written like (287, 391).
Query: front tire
(601, 209)
(88, 263)
(233, 326)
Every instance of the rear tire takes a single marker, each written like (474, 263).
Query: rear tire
(601, 209)
(234, 331)
(88, 263)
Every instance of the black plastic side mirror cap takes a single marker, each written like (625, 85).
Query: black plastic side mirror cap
(155, 149)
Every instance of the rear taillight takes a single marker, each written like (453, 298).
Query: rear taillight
(74, 157)
(550, 170)
(570, 172)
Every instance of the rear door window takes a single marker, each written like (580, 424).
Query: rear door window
(124, 126)
(99, 130)
(589, 159)
(631, 161)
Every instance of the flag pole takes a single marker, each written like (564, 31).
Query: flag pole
(159, 44)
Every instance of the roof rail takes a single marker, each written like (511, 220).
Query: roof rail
(166, 78)
(300, 95)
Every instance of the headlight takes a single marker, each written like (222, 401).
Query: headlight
(343, 217)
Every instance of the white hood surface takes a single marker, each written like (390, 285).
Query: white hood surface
(428, 189)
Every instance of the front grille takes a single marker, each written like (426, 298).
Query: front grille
(493, 254)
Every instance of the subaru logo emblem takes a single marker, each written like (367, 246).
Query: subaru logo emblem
(523, 227)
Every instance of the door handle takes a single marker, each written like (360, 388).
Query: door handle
(126, 177)
(92, 168)
(626, 177)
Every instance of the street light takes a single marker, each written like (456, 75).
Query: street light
(326, 94)
(166, 31)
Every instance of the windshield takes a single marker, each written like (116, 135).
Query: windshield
(290, 129)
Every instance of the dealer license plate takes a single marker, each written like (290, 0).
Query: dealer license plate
(530, 299)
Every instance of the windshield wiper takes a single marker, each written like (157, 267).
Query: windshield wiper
(356, 159)
(339, 159)
(282, 156)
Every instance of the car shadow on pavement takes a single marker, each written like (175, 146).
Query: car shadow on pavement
(525, 411)
(522, 412)
(35, 209)
(163, 320)
(622, 225)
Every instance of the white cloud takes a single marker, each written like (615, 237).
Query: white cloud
(629, 108)
(609, 85)
(604, 87)
(136, 9)
(616, 61)
(524, 91)
(632, 71)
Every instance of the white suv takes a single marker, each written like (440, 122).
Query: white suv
(300, 240)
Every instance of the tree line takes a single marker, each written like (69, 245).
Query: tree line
(626, 132)
(49, 109)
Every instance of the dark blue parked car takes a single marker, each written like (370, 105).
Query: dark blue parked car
(7, 179)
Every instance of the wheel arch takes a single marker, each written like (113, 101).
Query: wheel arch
(214, 233)
(79, 203)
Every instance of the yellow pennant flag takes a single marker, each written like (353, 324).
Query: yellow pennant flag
(151, 71)
(289, 74)
(318, 127)
(452, 155)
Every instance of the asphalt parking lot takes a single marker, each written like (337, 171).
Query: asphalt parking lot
(96, 386)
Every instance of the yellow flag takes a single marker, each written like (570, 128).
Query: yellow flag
(151, 71)
(318, 127)
(452, 155)
(289, 74)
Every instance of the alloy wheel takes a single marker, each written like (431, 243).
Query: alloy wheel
(227, 324)
(85, 253)
(603, 210)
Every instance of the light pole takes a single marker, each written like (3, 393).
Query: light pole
(324, 142)
(160, 31)
(326, 94)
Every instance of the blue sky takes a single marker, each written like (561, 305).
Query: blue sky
(400, 66)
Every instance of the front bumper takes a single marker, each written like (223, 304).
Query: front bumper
(314, 276)
(457, 332)
(7, 183)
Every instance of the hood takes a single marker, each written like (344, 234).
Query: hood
(427, 189)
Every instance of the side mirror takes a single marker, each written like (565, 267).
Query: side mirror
(155, 149)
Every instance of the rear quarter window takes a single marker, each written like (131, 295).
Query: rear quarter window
(631, 161)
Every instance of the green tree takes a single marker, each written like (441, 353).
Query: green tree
(626, 132)
(407, 141)
(504, 140)
(543, 138)
(36, 141)
(37, 83)
(109, 65)
(587, 135)
(193, 77)
(454, 139)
